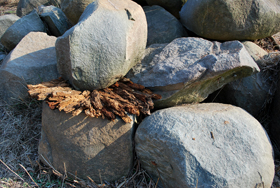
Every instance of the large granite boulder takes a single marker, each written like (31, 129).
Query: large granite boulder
(20, 28)
(250, 93)
(88, 147)
(33, 61)
(163, 27)
(108, 40)
(172, 6)
(26, 6)
(205, 145)
(6, 21)
(232, 19)
(73, 9)
(55, 20)
(188, 69)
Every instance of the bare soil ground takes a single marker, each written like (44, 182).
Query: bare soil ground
(20, 131)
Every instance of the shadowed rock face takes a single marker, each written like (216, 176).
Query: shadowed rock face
(32, 61)
(232, 19)
(108, 40)
(205, 145)
(90, 147)
(188, 69)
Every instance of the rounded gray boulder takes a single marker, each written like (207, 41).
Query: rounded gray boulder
(205, 145)
(232, 19)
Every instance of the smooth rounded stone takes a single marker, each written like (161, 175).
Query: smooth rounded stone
(189, 69)
(232, 19)
(21, 28)
(26, 6)
(107, 42)
(172, 6)
(55, 19)
(163, 27)
(33, 61)
(73, 9)
(250, 93)
(205, 145)
(89, 147)
(6, 21)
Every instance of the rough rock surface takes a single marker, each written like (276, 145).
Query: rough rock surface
(250, 93)
(26, 6)
(232, 19)
(100, 54)
(88, 146)
(172, 6)
(163, 27)
(20, 28)
(205, 145)
(6, 21)
(188, 69)
(31, 62)
(73, 9)
(55, 19)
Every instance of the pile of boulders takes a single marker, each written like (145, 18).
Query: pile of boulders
(181, 50)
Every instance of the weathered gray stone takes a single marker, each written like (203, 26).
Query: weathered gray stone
(276, 38)
(20, 28)
(90, 147)
(188, 69)
(108, 40)
(73, 9)
(163, 27)
(26, 6)
(232, 19)
(172, 6)
(205, 145)
(31, 62)
(250, 93)
(55, 19)
(6, 21)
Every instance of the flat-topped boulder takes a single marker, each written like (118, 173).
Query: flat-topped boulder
(189, 69)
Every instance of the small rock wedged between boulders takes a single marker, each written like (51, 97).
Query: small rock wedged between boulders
(100, 54)
(21, 28)
(232, 20)
(55, 19)
(251, 93)
(73, 9)
(205, 145)
(163, 27)
(189, 69)
(31, 62)
(89, 147)
(26, 6)
(172, 6)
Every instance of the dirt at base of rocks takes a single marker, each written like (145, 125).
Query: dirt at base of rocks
(8, 7)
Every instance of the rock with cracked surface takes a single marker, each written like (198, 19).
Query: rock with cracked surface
(189, 69)
(31, 62)
(232, 19)
(55, 19)
(109, 39)
(163, 27)
(23, 26)
(89, 147)
(205, 145)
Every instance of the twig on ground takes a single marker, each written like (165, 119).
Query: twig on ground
(11, 170)
(29, 175)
